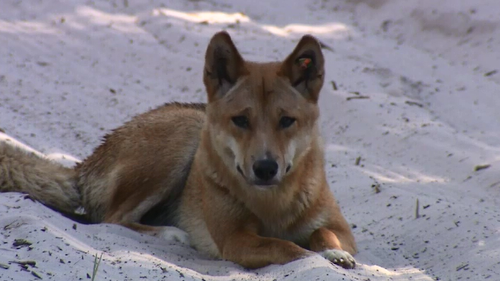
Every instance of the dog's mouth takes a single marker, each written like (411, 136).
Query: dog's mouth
(265, 184)
(258, 183)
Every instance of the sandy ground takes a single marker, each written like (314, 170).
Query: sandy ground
(72, 70)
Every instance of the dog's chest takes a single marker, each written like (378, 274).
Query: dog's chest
(298, 234)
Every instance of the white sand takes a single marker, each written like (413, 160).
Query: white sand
(72, 70)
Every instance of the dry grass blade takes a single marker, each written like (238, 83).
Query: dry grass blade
(97, 262)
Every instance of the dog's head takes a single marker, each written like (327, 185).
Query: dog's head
(262, 116)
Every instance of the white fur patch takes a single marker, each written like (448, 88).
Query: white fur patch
(290, 152)
(80, 211)
(171, 233)
(235, 149)
(234, 88)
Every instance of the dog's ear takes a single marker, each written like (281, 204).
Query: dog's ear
(223, 66)
(305, 68)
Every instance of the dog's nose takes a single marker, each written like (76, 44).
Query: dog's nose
(265, 169)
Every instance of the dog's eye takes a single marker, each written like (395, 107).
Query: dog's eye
(286, 122)
(241, 121)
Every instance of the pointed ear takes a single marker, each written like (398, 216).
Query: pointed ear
(305, 68)
(223, 66)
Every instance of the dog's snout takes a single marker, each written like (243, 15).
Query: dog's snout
(265, 169)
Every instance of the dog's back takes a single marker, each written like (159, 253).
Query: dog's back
(141, 163)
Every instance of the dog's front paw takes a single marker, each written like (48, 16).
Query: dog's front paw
(173, 234)
(339, 257)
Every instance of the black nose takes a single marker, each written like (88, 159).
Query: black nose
(265, 169)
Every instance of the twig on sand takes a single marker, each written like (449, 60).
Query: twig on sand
(489, 73)
(417, 215)
(334, 85)
(358, 160)
(357, 98)
(408, 102)
(25, 263)
(21, 242)
(462, 266)
(481, 167)
(36, 275)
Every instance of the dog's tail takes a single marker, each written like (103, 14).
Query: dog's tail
(44, 180)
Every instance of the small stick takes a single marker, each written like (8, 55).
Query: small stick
(417, 215)
(357, 98)
(462, 266)
(21, 242)
(36, 275)
(334, 85)
(481, 167)
(490, 73)
(30, 263)
(414, 103)
(358, 160)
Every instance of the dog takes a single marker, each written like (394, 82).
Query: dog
(243, 175)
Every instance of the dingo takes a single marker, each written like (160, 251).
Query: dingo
(243, 175)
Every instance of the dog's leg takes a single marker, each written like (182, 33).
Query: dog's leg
(326, 243)
(253, 251)
(129, 214)
(169, 233)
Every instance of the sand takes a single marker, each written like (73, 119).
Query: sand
(403, 161)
